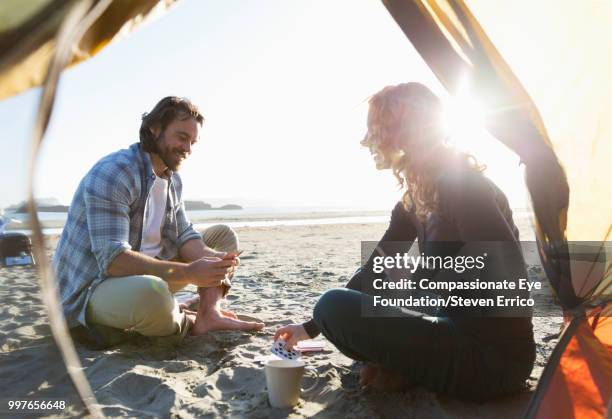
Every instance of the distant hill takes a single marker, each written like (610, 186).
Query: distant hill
(230, 207)
(23, 208)
(197, 205)
(200, 205)
(53, 203)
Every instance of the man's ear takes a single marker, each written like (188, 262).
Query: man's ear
(155, 129)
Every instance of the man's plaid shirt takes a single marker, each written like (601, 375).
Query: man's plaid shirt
(106, 218)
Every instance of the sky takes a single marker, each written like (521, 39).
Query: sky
(283, 85)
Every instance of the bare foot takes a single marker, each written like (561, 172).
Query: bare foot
(224, 313)
(191, 319)
(190, 302)
(214, 320)
(377, 378)
(368, 374)
(230, 314)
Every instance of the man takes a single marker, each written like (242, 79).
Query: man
(127, 244)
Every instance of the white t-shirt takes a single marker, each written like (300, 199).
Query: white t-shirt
(155, 209)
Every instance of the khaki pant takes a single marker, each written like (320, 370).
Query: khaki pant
(144, 303)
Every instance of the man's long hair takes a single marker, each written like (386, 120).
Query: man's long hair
(167, 110)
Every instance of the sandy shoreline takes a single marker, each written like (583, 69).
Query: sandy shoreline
(284, 271)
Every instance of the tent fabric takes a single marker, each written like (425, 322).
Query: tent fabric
(564, 63)
(581, 384)
(560, 52)
(27, 36)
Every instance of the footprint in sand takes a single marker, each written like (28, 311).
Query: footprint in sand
(239, 379)
(144, 394)
(177, 367)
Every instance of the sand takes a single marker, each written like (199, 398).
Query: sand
(284, 270)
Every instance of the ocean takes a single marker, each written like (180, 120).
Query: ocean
(53, 222)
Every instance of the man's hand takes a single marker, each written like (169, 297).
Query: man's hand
(225, 255)
(208, 272)
(208, 252)
(233, 256)
(292, 333)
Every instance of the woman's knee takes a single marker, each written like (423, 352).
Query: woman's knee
(336, 304)
(337, 315)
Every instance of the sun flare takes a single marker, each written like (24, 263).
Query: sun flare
(463, 120)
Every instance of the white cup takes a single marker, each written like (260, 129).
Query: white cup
(283, 378)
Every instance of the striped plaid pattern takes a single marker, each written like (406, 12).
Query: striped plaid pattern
(106, 218)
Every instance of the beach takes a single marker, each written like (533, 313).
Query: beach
(284, 269)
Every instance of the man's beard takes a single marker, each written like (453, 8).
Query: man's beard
(169, 156)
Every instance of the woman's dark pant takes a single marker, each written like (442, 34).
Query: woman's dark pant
(428, 351)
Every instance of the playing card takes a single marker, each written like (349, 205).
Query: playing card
(310, 346)
(278, 348)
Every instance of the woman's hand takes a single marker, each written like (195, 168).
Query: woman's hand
(292, 334)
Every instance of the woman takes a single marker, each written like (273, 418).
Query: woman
(448, 204)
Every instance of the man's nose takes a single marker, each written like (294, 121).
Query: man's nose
(187, 147)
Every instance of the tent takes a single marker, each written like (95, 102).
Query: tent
(540, 69)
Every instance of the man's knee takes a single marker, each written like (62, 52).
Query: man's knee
(154, 308)
(221, 237)
(154, 292)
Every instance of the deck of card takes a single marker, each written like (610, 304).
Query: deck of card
(279, 349)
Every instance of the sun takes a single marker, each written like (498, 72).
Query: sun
(463, 120)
